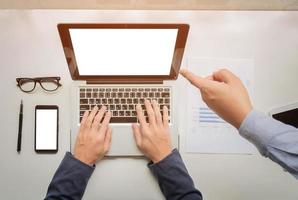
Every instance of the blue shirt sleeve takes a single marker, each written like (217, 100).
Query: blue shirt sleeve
(173, 178)
(70, 179)
(274, 140)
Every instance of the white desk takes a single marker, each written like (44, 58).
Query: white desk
(30, 46)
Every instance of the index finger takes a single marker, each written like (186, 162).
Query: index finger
(83, 121)
(140, 115)
(194, 79)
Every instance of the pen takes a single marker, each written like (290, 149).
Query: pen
(20, 128)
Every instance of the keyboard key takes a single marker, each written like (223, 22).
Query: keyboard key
(108, 95)
(82, 89)
(129, 101)
(116, 101)
(121, 89)
(157, 94)
(167, 89)
(135, 101)
(132, 95)
(160, 101)
(151, 94)
(167, 100)
(108, 89)
(141, 89)
(98, 101)
(120, 95)
(118, 107)
(82, 95)
(145, 94)
(88, 95)
(127, 89)
(101, 95)
(134, 113)
(104, 101)
(110, 101)
(160, 89)
(84, 107)
(114, 95)
(138, 95)
(83, 101)
(91, 101)
(124, 107)
(89, 90)
(112, 107)
(131, 107)
(115, 89)
(141, 101)
(82, 113)
(127, 113)
(123, 101)
(123, 120)
(101, 89)
(94, 94)
(121, 113)
(165, 94)
(147, 89)
(95, 89)
(126, 94)
(115, 113)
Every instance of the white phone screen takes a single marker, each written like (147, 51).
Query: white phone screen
(46, 129)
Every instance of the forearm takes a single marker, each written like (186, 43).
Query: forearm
(70, 179)
(273, 139)
(173, 178)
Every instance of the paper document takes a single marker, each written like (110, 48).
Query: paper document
(207, 132)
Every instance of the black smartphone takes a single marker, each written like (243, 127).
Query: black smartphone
(46, 128)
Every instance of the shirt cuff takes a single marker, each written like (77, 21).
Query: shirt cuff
(255, 129)
(166, 163)
(71, 161)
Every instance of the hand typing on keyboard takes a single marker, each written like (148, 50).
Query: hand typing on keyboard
(94, 138)
(153, 138)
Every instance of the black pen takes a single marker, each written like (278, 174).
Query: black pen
(20, 128)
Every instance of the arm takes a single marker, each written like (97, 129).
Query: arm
(274, 140)
(154, 140)
(173, 178)
(92, 143)
(224, 93)
(70, 179)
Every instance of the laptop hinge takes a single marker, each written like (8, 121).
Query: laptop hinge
(124, 82)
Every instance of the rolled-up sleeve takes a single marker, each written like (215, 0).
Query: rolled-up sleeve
(274, 140)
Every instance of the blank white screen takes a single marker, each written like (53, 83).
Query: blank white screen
(46, 129)
(124, 51)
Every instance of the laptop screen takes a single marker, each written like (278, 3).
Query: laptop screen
(123, 51)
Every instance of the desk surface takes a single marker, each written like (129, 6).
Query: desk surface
(30, 47)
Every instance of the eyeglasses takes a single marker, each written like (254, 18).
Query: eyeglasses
(49, 84)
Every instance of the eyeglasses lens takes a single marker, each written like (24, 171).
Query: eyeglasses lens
(49, 84)
(27, 85)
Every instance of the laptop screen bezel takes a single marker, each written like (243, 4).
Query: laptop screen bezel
(71, 60)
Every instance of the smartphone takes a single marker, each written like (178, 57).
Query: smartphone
(46, 128)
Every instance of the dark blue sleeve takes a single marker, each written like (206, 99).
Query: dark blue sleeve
(70, 179)
(173, 178)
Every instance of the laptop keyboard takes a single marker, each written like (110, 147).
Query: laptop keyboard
(122, 101)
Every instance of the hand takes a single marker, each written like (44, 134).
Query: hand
(94, 138)
(153, 139)
(224, 93)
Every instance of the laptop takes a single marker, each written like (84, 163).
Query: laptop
(120, 65)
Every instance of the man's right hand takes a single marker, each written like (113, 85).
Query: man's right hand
(153, 138)
(224, 93)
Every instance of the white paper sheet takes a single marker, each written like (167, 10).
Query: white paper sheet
(207, 132)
